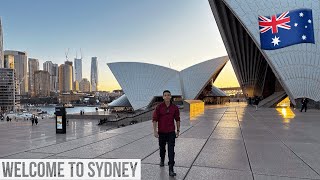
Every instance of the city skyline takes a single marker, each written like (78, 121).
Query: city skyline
(116, 31)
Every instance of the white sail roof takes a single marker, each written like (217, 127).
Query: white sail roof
(297, 67)
(141, 82)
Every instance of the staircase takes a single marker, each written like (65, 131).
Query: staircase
(272, 100)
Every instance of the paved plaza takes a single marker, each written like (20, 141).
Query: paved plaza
(225, 142)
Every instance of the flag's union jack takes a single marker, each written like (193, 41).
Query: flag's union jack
(274, 23)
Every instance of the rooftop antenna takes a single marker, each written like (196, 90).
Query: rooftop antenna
(66, 53)
(76, 54)
(80, 54)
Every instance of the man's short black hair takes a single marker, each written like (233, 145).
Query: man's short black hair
(166, 91)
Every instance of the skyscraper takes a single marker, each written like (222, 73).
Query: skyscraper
(84, 85)
(78, 69)
(21, 66)
(33, 67)
(53, 71)
(9, 61)
(55, 79)
(68, 76)
(94, 74)
(9, 94)
(47, 66)
(1, 46)
(60, 76)
(65, 77)
(41, 86)
(76, 86)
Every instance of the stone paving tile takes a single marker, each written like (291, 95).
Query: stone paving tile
(233, 124)
(136, 150)
(6, 150)
(28, 155)
(309, 152)
(223, 153)
(275, 159)
(206, 173)
(200, 132)
(97, 149)
(155, 172)
(186, 150)
(264, 177)
(211, 124)
(22, 136)
(58, 157)
(69, 145)
(226, 133)
(259, 135)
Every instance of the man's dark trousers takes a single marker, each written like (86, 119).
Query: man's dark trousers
(170, 139)
(304, 106)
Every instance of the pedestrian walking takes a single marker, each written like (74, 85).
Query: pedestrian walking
(164, 128)
(36, 120)
(304, 103)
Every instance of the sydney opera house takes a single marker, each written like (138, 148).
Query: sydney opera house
(272, 45)
(292, 71)
(144, 83)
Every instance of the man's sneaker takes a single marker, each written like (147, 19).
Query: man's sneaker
(161, 163)
(171, 171)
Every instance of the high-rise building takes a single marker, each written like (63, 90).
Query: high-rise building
(78, 69)
(9, 61)
(47, 66)
(55, 79)
(33, 67)
(65, 77)
(53, 71)
(1, 47)
(60, 76)
(84, 85)
(72, 72)
(9, 94)
(41, 86)
(21, 67)
(76, 85)
(94, 74)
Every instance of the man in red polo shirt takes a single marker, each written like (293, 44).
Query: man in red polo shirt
(164, 128)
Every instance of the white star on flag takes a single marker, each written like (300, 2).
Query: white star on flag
(309, 21)
(295, 24)
(301, 14)
(275, 40)
(306, 27)
(304, 37)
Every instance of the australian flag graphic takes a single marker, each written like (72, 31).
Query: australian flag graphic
(286, 29)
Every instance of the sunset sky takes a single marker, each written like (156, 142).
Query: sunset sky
(175, 34)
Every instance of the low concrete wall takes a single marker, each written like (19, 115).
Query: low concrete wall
(113, 121)
(146, 116)
(97, 117)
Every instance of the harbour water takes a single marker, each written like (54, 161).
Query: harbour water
(51, 109)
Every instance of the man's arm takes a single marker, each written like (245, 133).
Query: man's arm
(177, 118)
(155, 122)
(178, 128)
(155, 129)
